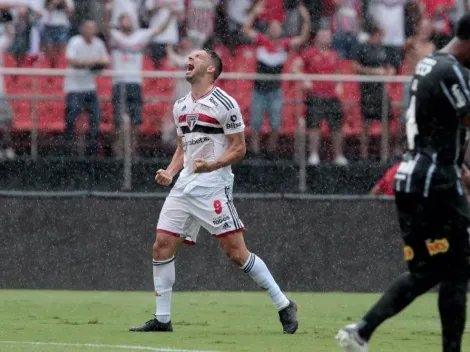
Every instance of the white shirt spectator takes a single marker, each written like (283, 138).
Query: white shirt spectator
(58, 17)
(237, 10)
(82, 80)
(171, 34)
(390, 17)
(129, 7)
(126, 53)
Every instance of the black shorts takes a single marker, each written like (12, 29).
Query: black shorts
(133, 99)
(435, 231)
(329, 108)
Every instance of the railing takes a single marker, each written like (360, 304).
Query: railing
(300, 142)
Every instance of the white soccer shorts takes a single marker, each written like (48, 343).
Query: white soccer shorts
(184, 212)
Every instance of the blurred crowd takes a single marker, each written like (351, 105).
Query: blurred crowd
(378, 37)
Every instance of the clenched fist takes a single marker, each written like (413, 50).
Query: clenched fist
(163, 177)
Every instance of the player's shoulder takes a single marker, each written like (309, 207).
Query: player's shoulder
(75, 40)
(222, 99)
(180, 103)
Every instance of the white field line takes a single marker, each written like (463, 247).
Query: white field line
(121, 347)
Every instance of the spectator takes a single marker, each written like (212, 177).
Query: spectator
(271, 55)
(178, 58)
(416, 48)
(390, 17)
(345, 25)
(385, 186)
(371, 59)
(438, 11)
(116, 8)
(6, 115)
(56, 28)
(237, 11)
(127, 47)
(200, 20)
(25, 19)
(86, 54)
(322, 97)
(160, 11)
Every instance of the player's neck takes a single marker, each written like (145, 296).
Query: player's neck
(198, 90)
(456, 49)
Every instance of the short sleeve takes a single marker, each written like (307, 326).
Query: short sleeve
(71, 49)
(233, 122)
(179, 131)
(456, 88)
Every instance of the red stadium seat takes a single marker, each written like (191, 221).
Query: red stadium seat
(21, 115)
(51, 116)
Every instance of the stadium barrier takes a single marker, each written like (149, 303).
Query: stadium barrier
(103, 241)
(300, 136)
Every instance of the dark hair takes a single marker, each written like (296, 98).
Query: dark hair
(463, 28)
(85, 20)
(216, 62)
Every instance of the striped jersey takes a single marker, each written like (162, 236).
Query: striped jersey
(439, 101)
(204, 124)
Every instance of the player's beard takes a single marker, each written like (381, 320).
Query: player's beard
(195, 78)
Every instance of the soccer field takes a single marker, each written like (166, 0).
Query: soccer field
(74, 321)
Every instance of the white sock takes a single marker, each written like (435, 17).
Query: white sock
(259, 272)
(163, 280)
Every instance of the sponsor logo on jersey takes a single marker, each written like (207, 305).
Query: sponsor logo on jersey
(191, 120)
(226, 226)
(220, 219)
(181, 100)
(437, 246)
(195, 141)
(458, 95)
(212, 100)
(408, 253)
(183, 108)
(233, 125)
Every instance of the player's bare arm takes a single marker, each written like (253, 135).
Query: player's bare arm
(235, 153)
(164, 177)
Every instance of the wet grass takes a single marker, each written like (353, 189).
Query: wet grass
(240, 321)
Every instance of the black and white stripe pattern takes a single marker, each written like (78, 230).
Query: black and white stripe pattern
(236, 220)
(249, 263)
(223, 99)
(163, 262)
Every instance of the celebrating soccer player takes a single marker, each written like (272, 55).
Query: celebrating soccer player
(432, 205)
(211, 138)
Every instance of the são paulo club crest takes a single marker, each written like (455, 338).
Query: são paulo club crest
(191, 120)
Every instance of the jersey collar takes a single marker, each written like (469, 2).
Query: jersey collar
(205, 95)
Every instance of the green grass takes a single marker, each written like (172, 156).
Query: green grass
(216, 321)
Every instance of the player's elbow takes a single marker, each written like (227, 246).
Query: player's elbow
(241, 152)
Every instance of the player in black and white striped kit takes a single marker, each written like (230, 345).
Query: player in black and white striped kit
(431, 200)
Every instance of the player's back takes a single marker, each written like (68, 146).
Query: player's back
(435, 131)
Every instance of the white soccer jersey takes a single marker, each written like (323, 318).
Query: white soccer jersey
(204, 124)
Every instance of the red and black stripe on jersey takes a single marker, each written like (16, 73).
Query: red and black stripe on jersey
(204, 124)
